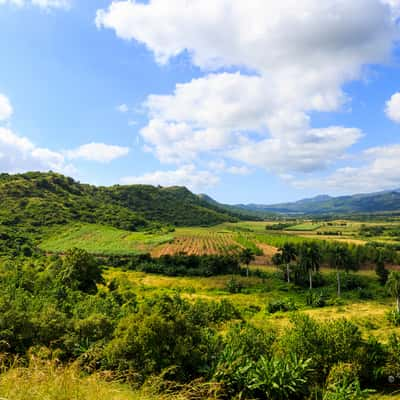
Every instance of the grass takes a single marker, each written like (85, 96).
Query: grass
(278, 239)
(368, 315)
(102, 240)
(47, 381)
(304, 227)
(247, 241)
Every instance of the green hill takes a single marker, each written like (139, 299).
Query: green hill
(34, 201)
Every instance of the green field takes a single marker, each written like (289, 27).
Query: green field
(102, 240)
(304, 227)
(225, 238)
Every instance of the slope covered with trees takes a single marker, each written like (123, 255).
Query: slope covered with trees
(44, 199)
(34, 201)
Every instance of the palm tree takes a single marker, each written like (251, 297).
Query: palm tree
(246, 257)
(288, 254)
(310, 259)
(393, 287)
(339, 259)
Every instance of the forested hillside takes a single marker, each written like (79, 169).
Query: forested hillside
(33, 201)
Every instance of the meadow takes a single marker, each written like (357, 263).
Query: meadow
(102, 240)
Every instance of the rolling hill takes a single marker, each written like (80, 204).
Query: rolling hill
(44, 199)
(34, 201)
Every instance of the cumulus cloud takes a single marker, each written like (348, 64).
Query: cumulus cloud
(19, 154)
(257, 33)
(219, 166)
(380, 170)
(300, 52)
(313, 150)
(186, 175)
(44, 4)
(393, 108)
(99, 152)
(6, 109)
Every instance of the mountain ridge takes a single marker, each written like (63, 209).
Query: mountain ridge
(383, 201)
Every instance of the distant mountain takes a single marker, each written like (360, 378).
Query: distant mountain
(240, 211)
(386, 201)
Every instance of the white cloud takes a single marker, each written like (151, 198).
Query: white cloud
(123, 108)
(313, 150)
(99, 152)
(44, 4)
(257, 33)
(302, 53)
(393, 108)
(6, 109)
(380, 170)
(19, 154)
(221, 166)
(183, 176)
(180, 142)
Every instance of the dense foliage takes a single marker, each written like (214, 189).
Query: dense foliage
(179, 264)
(62, 308)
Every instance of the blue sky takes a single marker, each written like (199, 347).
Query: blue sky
(248, 101)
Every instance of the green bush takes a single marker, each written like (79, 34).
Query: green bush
(234, 286)
(281, 305)
(393, 316)
(280, 379)
(326, 344)
(316, 299)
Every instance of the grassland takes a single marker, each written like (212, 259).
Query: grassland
(48, 381)
(306, 227)
(102, 240)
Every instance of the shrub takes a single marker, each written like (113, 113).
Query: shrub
(393, 317)
(325, 343)
(280, 379)
(392, 365)
(243, 345)
(233, 286)
(281, 305)
(316, 299)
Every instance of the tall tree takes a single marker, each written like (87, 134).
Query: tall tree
(246, 257)
(288, 254)
(380, 269)
(339, 259)
(393, 287)
(80, 271)
(310, 259)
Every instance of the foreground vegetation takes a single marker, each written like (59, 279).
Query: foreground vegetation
(72, 328)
